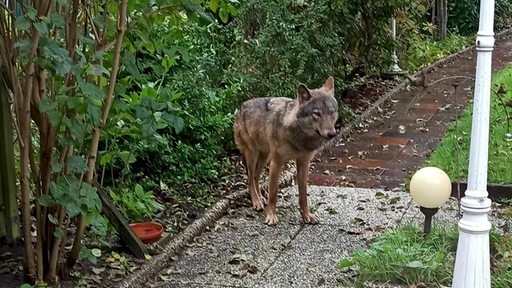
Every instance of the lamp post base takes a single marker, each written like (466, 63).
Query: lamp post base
(428, 212)
(472, 263)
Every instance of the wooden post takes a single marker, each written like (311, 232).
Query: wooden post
(9, 213)
(120, 224)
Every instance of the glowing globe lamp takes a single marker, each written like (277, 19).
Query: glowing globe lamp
(430, 188)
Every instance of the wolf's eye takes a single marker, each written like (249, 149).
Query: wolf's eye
(316, 114)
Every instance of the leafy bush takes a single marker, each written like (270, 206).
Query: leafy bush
(173, 119)
(424, 51)
(286, 42)
(464, 15)
(136, 204)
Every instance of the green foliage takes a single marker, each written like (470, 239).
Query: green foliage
(406, 256)
(136, 204)
(415, 45)
(224, 10)
(286, 42)
(90, 255)
(464, 16)
(423, 51)
(501, 245)
(453, 154)
(173, 119)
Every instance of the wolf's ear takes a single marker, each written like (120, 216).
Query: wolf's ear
(303, 93)
(329, 85)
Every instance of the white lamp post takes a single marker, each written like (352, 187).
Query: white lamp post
(472, 262)
(430, 188)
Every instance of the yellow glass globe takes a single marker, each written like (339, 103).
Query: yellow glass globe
(430, 187)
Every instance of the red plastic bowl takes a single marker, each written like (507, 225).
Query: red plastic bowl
(148, 232)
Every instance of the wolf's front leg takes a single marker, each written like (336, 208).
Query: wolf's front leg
(302, 179)
(273, 187)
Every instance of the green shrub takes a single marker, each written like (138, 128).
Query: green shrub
(287, 41)
(464, 16)
(173, 120)
(136, 204)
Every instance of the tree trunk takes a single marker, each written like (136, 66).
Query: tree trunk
(8, 173)
(440, 18)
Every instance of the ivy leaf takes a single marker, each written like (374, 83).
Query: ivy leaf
(94, 113)
(92, 93)
(73, 102)
(224, 14)
(42, 27)
(47, 104)
(174, 121)
(106, 158)
(72, 209)
(53, 219)
(58, 232)
(148, 92)
(58, 189)
(148, 128)
(22, 23)
(76, 164)
(179, 125)
(96, 252)
(98, 70)
(54, 117)
(46, 200)
(57, 19)
(85, 253)
(56, 167)
(90, 199)
(77, 129)
(127, 156)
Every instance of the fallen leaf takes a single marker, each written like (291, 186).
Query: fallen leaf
(97, 270)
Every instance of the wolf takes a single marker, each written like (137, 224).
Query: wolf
(275, 130)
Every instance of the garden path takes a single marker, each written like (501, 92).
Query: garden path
(396, 139)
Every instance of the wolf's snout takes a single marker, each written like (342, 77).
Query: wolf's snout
(331, 134)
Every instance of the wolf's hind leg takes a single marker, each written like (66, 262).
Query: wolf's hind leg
(253, 176)
(260, 165)
(276, 163)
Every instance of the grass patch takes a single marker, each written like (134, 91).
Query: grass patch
(453, 154)
(405, 256)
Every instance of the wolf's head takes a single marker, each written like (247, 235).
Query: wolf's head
(318, 109)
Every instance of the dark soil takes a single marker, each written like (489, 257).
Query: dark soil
(337, 166)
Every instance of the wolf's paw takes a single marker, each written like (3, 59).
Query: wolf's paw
(271, 219)
(310, 218)
(258, 205)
